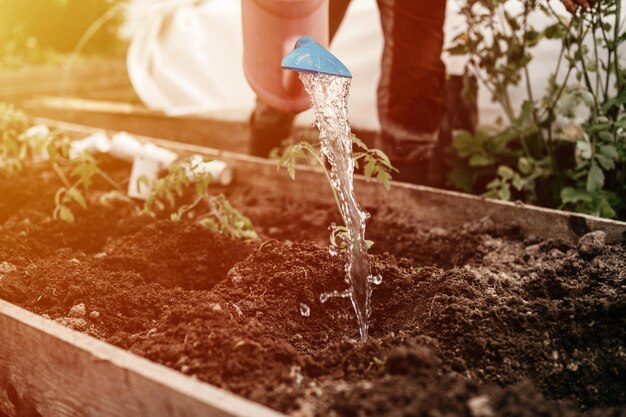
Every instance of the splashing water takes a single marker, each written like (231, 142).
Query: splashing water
(329, 96)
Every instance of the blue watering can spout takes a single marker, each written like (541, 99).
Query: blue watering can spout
(309, 56)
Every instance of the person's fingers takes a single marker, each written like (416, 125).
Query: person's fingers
(584, 3)
(569, 5)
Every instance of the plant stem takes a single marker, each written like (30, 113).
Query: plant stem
(597, 59)
(61, 176)
(110, 180)
(192, 205)
(616, 35)
(610, 52)
(323, 165)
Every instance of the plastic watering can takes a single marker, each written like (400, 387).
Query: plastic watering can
(271, 31)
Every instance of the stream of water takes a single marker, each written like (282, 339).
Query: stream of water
(329, 96)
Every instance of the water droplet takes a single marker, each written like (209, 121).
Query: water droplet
(375, 279)
(335, 294)
(305, 310)
(332, 250)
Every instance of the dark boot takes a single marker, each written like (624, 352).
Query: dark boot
(268, 129)
(411, 158)
(460, 113)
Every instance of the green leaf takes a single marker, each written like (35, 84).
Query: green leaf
(480, 160)
(609, 151)
(567, 103)
(595, 178)
(584, 148)
(606, 136)
(66, 214)
(504, 193)
(384, 178)
(614, 102)
(587, 98)
(572, 195)
(505, 172)
(463, 142)
(369, 168)
(606, 163)
(553, 31)
(358, 142)
(525, 165)
(76, 195)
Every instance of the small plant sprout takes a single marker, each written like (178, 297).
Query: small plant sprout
(84, 168)
(339, 238)
(213, 212)
(375, 162)
(21, 145)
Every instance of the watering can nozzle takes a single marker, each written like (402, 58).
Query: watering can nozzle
(309, 56)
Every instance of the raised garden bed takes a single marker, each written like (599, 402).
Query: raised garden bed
(485, 309)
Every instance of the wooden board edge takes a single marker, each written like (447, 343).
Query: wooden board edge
(49, 370)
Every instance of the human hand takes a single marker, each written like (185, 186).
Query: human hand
(571, 5)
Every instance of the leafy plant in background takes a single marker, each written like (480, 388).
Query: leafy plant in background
(375, 163)
(541, 153)
(213, 212)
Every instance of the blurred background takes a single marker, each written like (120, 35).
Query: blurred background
(39, 32)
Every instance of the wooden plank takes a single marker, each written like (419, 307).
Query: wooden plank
(210, 130)
(139, 120)
(48, 370)
(417, 202)
(86, 76)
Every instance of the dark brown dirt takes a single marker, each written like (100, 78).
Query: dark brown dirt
(474, 321)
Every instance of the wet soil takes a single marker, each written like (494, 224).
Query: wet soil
(477, 320)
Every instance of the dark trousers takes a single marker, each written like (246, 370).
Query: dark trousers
(410, 89)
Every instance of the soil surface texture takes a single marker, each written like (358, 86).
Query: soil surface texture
(478, 320)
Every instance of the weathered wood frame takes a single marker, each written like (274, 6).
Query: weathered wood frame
(47, 370)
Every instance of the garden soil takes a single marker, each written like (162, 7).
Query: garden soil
(475, 320)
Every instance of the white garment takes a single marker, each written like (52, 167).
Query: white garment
(186, 58)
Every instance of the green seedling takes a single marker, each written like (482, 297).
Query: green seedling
(376, 165)
(18, 149)
(339, 238)
(213, 212)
